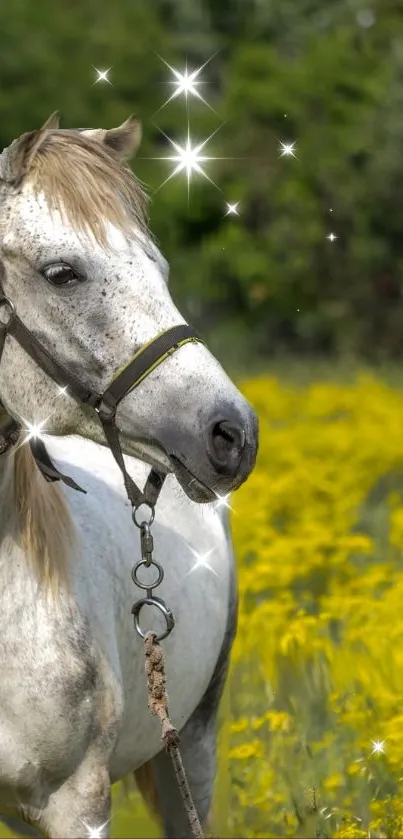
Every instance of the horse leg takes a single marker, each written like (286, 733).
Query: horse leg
(79, 805)
(156, 779)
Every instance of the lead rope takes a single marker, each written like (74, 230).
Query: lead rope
(155, 665)
(158, 705)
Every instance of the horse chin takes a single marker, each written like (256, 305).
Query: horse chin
(194, 489)
(157, 457)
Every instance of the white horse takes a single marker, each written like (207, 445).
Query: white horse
(86, 280)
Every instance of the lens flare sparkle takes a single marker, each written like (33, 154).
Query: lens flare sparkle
(378, 747)
(232, 209)
(186, 84)
(102, 75)
(34, 430)
(189, 158)
(201, 562)
(222, 501)
(96, 832)
(287, 149)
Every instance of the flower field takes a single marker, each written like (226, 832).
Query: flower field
(311, 736)
(315, 735)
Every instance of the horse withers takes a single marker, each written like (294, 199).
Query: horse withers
(88, 288)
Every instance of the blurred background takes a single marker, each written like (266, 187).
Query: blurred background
(299, 294)
(326, 76)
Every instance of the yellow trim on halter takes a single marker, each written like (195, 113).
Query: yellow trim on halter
(158, 361)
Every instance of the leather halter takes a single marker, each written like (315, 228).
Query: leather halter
(105, 404)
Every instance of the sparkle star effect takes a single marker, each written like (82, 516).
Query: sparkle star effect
(62, 390)
(186, 83)
(96, 832)
(287, 149)
(232, 209)
(222, 501)
(201, 562)
(188, 159)
(102, 75)
(378, 747)
(331, 237)
(35, 430)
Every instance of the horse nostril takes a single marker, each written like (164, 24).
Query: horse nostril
(229, 432)
(227, 441)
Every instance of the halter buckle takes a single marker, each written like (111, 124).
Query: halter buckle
(105, 411)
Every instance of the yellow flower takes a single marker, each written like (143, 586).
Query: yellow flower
(317, 666)
(240, 725)
(247, 751)
(278, 721)
(332, 781)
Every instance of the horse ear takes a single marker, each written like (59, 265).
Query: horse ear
(52, 123)
(124, 140)
(17, 157)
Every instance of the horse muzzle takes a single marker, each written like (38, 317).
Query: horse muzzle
(219, 458)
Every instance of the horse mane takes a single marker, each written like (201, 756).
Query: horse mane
(82, 179)
(45, 530)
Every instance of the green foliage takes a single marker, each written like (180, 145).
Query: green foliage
(273, 268)
(270, 275)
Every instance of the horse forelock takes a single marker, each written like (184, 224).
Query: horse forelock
(82, 179)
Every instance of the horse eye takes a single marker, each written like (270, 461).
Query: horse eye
(60, 275)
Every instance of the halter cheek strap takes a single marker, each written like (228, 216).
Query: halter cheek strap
(105, 404)
(127, 379)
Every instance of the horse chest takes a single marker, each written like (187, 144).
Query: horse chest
(197, 593)
(198, 598)
(190, 652)
(78, 678)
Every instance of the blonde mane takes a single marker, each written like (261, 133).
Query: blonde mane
(46, 530)
(103, 190)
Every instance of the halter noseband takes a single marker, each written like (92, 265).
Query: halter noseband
(105, 404)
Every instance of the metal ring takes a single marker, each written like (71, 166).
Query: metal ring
(153, 601)
(150, 585)
(135, 511)
(4, 301)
